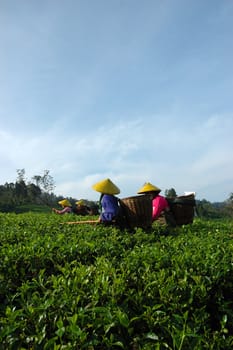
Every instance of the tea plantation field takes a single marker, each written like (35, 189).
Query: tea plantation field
(93, 287)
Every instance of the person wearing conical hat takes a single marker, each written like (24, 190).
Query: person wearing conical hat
(108, 200)
(159, 203)
(66, 207)
(81, 208)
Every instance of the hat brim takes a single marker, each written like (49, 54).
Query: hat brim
(148, 187)
(64, 203)
(106, 186)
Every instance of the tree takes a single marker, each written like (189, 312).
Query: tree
(45, 182)
(7, 197)
(37, 179)
(21, 175)
(228, 208)
(207, 210)
(47, 185)
(15, 194)
(171, 193)
(34, 192)
(21, 192)
(48, 182)
(230, 199)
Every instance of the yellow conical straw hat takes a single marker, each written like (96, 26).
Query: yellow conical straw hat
(80, 202)
(106, 186)
(65, 203)
(148, 187)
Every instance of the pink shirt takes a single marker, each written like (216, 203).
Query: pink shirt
(64, 210)
(159, 203)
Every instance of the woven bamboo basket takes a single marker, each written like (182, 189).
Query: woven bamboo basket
(137, 211)
(182, 208)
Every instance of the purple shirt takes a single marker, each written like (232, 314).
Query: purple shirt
(110, 207)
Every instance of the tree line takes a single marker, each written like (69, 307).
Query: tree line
(39, 190)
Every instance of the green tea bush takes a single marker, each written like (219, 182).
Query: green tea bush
(93, 287)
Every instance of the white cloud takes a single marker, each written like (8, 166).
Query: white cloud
(129, 152)
(132, 93)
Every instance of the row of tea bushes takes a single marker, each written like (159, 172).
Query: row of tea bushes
(93, 287)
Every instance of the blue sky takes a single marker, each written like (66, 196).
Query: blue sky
(130, 90)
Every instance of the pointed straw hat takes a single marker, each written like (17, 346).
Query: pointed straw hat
(80, 202)
(64, 203)
(148, 187)
(106, 186)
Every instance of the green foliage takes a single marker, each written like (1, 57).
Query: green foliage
(94, 287)
(35, 208)
(205, 209)
(228, 208)
(171, 193)
(37, 197)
